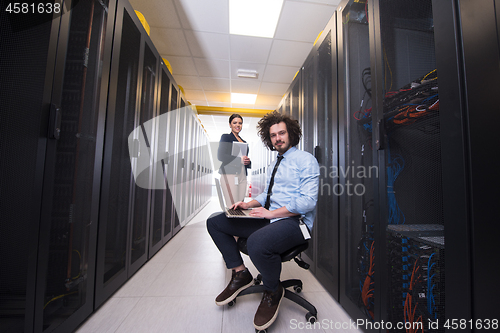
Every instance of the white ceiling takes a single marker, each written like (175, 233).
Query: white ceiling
(193, 35)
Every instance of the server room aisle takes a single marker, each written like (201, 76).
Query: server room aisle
(175, 292)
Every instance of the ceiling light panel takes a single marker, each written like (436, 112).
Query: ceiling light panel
(256, 18)
(237, 98)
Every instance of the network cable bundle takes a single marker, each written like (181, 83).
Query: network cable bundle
(415, 231)
(414, 101)
(365, 259)
(416, 268)
(366, 267)
(412, 145)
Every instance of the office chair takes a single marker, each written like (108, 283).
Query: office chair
(293, 253)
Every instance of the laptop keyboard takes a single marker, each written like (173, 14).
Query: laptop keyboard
(237, 212)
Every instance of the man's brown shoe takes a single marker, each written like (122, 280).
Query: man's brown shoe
(239, 281)
(268, 309)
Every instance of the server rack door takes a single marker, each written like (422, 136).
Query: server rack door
(139, 232)
(309, 126)
(169, 161)
(456, 205)
(197, 171)
(199, 152)
(162, 199)
(159, 148)
(192, 192)
(356, 172)
(197, 166)
(287, 104)
(72, 180)
(118, 181)
(203, 167)
(177, 160)
(411, 251)
(327, 223)
(189, 196)
(206, 166)
(295, 99)
(480, 27)
(28, 51)
(182, 166)
(187, 165)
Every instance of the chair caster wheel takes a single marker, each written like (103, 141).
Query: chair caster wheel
(311, 318)
(261, 331)
(257, 280)
(232, 303)
(297, 289)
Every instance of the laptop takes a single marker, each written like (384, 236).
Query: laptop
(232, 213)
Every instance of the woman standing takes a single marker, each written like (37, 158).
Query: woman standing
(233, 152)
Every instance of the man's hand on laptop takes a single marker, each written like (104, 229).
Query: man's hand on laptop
(257, 210)
(245, 205)
(240, 205)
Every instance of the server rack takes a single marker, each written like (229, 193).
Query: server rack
(472, 76)
(410, 160)
(20, 240)
(326, 226)
(142, 195)
(180, 185)
(117, 200)
(355, 151)
(93, 217)
(173, 169)
(414, 233)
(190, 167)
(161, 208)
(68, 81)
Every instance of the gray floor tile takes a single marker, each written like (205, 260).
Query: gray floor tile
(175, 292)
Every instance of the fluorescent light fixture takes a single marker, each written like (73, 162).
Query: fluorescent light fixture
(247, 73)
(257, 18)
(243, 98)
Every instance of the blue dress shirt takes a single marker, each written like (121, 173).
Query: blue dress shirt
(295, 186)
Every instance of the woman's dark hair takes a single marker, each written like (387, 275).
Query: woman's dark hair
(273, 118)
(235, 115)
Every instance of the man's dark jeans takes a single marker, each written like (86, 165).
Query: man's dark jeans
(266, 241)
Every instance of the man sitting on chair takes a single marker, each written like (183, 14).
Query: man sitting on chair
(291, 193)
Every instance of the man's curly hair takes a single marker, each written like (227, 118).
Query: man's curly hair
(273, 118)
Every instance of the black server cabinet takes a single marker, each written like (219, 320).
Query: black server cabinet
(286, 104)
(124, 207)
(295, 98)
(162, 203)
(139, 232)
(326, 226)
(426, 129)
(309, 129)
(27, 61)
(197, 173)
(190, 139)
(410, 252)
(64, 101)
(468, 122)
(177, 160)
(182, 166)
(356, 192)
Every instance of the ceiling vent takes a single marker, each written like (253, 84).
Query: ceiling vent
(248, 73)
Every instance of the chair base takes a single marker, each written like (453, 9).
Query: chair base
(312, 314)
